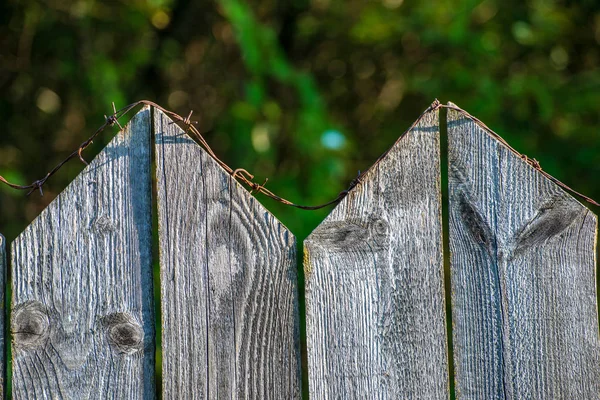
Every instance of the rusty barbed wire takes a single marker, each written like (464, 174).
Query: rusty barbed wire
(245, 177)
(531, 161)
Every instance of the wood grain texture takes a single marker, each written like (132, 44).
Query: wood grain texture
(375, 313)
(523, 276)
(2, 316)
(82, 309)
(228, 281)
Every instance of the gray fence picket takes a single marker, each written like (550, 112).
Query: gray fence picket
(374, 281)
(228, 281)
(82, 309)
(523, 276)
(2, 316)
(523, 258)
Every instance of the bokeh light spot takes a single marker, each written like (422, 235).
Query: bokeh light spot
(490, 41)
(260, 138)
(195, 51)
(391, 94)
(75, 120)
(392, 4)
(559, 57)
(522, 32)
(364, 68)
(336, 69)
(48, 101)
(333, 139)
(485, 11)
(160, 19)
(178, 99)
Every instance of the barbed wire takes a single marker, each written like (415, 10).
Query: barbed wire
(531, 161)
(245, 177)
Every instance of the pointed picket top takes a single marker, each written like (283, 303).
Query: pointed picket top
(228, 281)
(82, 309)
(374, 280)
(523, 275)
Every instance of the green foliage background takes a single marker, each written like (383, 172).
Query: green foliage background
(304, 92)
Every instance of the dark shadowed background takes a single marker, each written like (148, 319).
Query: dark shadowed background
(306, 93)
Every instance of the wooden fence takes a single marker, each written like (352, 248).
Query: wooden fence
(522, 261)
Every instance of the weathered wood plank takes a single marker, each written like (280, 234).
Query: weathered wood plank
(228, 281)
(2, 316)
(82, 309)
(523, 276)
(374, 281)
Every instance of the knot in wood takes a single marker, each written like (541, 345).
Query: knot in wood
(30, 324)
(380, 227)
(124, 333)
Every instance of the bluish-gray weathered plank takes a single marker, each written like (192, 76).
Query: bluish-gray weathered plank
(375, 315)
(523, 276)
(82, 309)
(228, 281)
(2, 316)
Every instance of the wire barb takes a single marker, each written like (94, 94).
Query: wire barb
(113, 119)
(258, 188)
(359, 178)
(37, 185)
(188, 120)
(532, 161)
(243, 174)
(81, 157)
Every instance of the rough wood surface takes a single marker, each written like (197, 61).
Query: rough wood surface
(375, 315)
(523, 277)
(82, 309)
(228, 281)
(2, 316)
